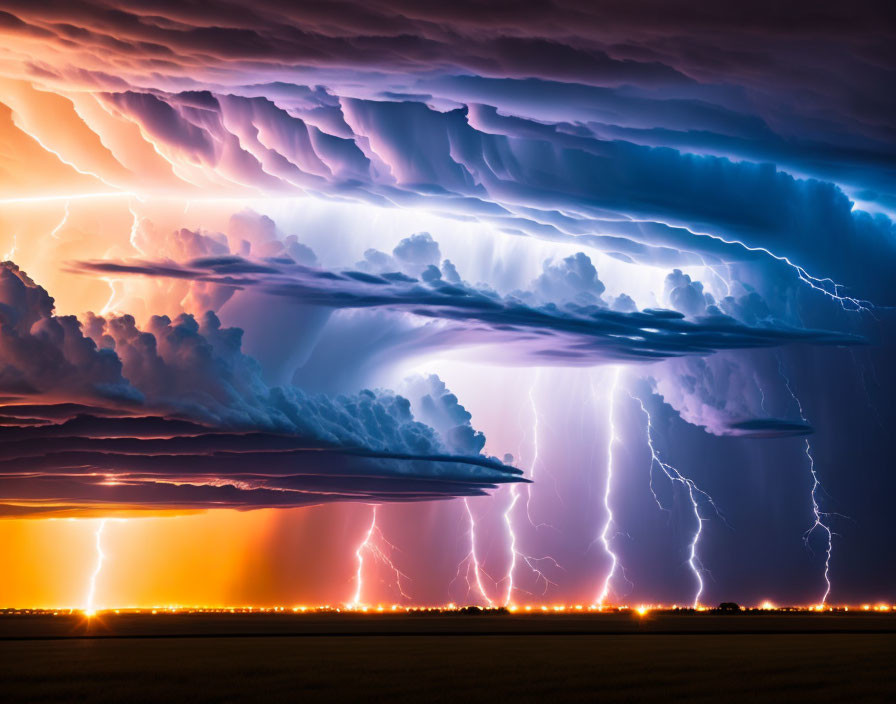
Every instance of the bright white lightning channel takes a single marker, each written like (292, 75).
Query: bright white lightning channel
(531, 562)
(535, 446)
(819, 284)
(608, 490)
(695, 494)
(90, 604)
(819, 517)
(369, 544)
(472, 560)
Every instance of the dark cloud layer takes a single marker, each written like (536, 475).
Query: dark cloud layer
(770, 428)
(175, 416)
(770, 49)
(640, 203)
(572, 326)
(651, 132)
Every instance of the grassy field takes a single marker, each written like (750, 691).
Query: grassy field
(450, 659)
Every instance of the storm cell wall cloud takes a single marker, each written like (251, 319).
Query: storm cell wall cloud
(390, 303)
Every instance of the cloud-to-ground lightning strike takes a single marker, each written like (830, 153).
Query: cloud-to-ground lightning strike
(514, 497)
(471, 560)
(90, 601)
(819, 517)
(372, 536)
(608, 490)
(695, 494)
(359, 555)
(301, 291)
(515, 554)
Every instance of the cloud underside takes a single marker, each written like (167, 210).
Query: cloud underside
(567, 334)
(770, 428)
(736, 135)
(56, 463)
(635, 152)
(175, 416)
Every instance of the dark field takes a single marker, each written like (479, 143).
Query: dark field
(844, 657)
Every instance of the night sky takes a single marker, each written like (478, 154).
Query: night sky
(425, 302)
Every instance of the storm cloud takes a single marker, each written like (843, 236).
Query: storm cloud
(109, 415)
(578, 330)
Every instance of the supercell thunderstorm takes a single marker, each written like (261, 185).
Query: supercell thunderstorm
(537, 307)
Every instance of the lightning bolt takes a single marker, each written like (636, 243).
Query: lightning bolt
(134, 227)
(695, 494)
(90, 605)
(608, 490)
(535, 437)
(132, 238)
(515, 555)
(106, 309)
(531, 562)
(514, 494)
(761, 396)
(471, 561)
(55, 231)
(533, 465)
(825, 286)
(819, 522)
(370, 545)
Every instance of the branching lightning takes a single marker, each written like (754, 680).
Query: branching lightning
(514, 494)
(826, 286)
(371, 544)
(533, 563)
(695, 494)
(90, 604)
(515, 554)
(471, 560)
(820, 518)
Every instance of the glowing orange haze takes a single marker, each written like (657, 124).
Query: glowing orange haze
(267, 557)
(214, 558)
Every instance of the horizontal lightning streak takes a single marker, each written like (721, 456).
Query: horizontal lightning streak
(816, 283)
